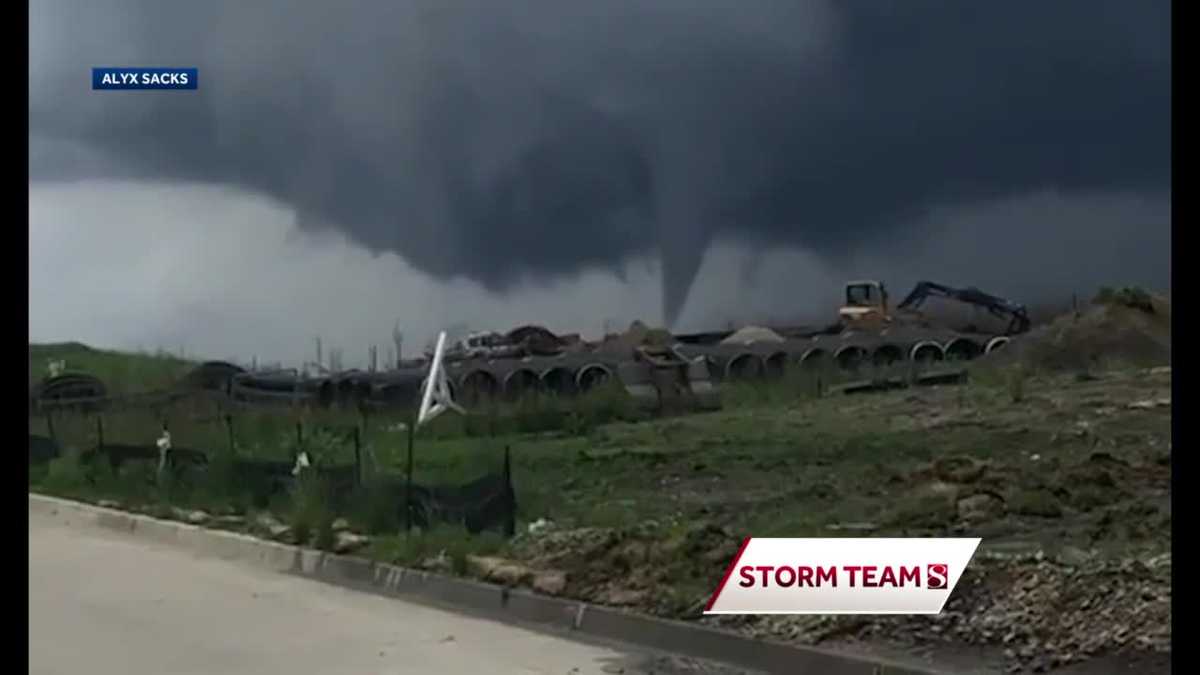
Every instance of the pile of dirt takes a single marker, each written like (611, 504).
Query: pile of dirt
(751, 335)
(1044, 613)
(1126, 325)
(638, 335)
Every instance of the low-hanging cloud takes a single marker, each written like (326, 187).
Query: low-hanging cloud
(503, 142)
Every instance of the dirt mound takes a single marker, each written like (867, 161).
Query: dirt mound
(638, 335)
(751, 335)
(1126, 325)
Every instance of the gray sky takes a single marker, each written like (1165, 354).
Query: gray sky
(497, 163)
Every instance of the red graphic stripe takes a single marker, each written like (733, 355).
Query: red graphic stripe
(728, 573)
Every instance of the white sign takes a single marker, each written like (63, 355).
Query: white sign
(842, 576)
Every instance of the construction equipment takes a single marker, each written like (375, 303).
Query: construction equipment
(867, 305)
(1016, 314)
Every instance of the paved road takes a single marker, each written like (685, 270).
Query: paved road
(107, 604)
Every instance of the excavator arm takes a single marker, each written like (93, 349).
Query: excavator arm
(1018, 317)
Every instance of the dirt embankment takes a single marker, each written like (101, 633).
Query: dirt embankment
(1128, 326)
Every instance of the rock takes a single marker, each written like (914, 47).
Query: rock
(550, 583)
(981, 506)
(959, 469)
(345, 542)
(1069, 555)
(438, 563)
(197, 517)
(499, 570)
(540, 525)
(623, 597)
(267, 523)
(1150, 404)
(229, 521)
(340, 525)
(108, 504)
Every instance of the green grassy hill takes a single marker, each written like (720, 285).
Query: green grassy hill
(121, 372)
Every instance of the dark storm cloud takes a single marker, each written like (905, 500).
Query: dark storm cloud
(497, 141)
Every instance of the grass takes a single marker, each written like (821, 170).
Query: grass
(121, 372)
(776, 460)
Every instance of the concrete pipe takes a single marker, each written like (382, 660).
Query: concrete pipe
(995, 343)
(962, 349)
(776, 364)
(744, 366)
(558, 380)
(213, 375)
(815, 357)
(479, 386)
(520, 382)
(887, 354)
(592, 375)
(926, 351)
(850, 357)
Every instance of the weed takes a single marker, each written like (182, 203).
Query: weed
(310, 515)
(68, 474)
(1018, 375)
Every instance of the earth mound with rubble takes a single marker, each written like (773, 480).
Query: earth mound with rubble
(1125, 325)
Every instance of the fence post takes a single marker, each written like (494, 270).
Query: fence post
(229, 433)
(510, 521)
(50, 425)
(364, 420)
(299, 436)
(358, 471)
(408, 501)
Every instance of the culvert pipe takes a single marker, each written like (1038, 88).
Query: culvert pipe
(776, 364)
(558, 380)
(478, 386)
(744, 366)
(592, 375)
(995, 343)
(850, 357)
(886, 354)
(962, 349)
(926, 351)
(520, 382)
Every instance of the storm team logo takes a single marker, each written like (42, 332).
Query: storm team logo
(842, 576)
(936, 575)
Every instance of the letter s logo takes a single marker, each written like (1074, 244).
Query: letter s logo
(936, 576)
